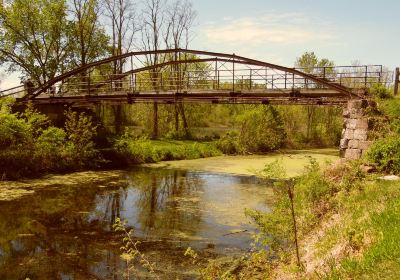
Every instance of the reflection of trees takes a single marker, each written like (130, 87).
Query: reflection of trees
(113, 206)
(62, 239)
(69, 226)
(168, 201)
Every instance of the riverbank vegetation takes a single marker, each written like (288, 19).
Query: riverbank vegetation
(31, 146)
(346, 216)
(143, 150)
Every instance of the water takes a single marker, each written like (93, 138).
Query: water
(64, 231)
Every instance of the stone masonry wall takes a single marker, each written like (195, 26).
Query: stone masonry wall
(354, 140)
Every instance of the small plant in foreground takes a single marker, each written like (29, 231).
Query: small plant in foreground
(130, 251)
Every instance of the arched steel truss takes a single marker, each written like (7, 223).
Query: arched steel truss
(323, 83)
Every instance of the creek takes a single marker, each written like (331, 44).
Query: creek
(61, 227)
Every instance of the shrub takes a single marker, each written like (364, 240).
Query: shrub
(261, 130)
(80, 148)
(229, 144)
(143, 150)
(380, 91)
(385, 154)
(29, 146)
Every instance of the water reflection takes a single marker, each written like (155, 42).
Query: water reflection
(65, 232)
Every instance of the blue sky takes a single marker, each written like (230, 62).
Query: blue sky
(279, 31)
(344, 31)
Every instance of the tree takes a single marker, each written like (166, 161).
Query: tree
(33, 37)
(122, 20)
(180, 17)
(311, 64)
(261, 130)
(151, 40)
(91, 42)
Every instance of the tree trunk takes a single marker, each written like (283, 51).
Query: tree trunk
(176, 118)
(185, 124)
(155, 121)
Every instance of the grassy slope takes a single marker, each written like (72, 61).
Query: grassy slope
(358, 238)
(348, 229)
(370, 231)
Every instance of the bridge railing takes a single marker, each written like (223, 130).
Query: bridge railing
(17, 92)
(239, 79)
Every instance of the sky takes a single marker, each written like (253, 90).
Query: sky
(279, 31)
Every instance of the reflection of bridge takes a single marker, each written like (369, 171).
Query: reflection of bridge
(179, 75)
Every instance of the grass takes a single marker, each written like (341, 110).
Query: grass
(376, 222)
(150, 151)
(348, 225)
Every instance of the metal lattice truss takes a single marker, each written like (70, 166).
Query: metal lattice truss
(180, 75)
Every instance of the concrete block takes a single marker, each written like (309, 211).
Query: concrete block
(346, 114)
(360, 134)
(344, 143)
(357, 104)
(361, 124)
(352, 154)
(354, 144)
(352, 123)
(349, 134)
(364, 145)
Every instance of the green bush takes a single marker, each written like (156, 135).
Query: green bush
(80, 147)
(380, 91)
(143, 150)
(29, 146)
(385, 154)
(229, 144)
(261, 130)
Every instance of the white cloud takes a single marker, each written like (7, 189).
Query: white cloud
(289, 28)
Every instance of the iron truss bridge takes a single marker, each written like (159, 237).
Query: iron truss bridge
(191, 76)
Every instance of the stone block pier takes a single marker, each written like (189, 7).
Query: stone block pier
(355, 140)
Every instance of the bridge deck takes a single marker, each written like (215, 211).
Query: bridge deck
(266, 96)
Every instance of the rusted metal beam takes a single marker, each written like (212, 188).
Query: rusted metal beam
(211, 97)
(220, 56)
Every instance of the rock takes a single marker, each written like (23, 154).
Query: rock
(357, 104)
(348, 134)
(360, 134)
(352, 154)
(367, 168)
(344, 143)
(390, 178)
(354, 144)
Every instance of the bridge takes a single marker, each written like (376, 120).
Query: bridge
(192, 76)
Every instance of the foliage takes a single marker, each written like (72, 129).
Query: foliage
(229, 144)
(130, 251)
(311, 191)
(380, 91)
(370, 232)
(311, 64)
(80, 132)
(385, 154)
(89, 41)
(33, 37)
(29, 146)
(143, 150)
(261, 130)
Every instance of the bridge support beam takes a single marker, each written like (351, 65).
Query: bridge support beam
(356, 125)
